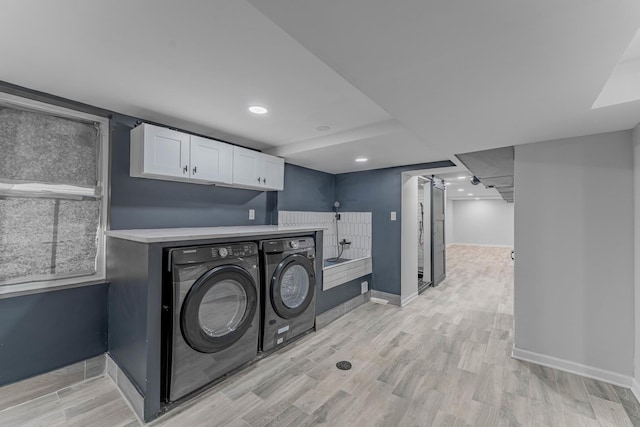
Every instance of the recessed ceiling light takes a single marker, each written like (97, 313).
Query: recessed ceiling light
(461, 177)
(323, 128)
(477, 198)
(469, 194)
(256, 109)
(460, 189)
(447, 183)
(361, 159)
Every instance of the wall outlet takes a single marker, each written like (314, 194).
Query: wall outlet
(252, 214)
(393, 216)
(364, 287)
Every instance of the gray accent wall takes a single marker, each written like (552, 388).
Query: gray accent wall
(574, 258)
(379, 191)
(306, 190)
(46, 331)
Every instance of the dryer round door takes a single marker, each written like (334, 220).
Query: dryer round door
(219, 308)
(293, 286)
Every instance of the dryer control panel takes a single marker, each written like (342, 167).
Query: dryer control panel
(285, 245)
(200, 254)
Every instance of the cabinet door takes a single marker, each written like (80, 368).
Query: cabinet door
(272, 172)
(246, 167)
(166, 152)
(210, 160)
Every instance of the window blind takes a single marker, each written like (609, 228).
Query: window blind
(49, 196)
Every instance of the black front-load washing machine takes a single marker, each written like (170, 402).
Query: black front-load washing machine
(212, 314)
(289, 290)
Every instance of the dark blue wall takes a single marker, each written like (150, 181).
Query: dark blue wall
(333, 297)
(152, 203)
(46, 331)
(379, 191)
(306, 190)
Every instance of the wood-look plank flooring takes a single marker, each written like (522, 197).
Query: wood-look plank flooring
(444, 360)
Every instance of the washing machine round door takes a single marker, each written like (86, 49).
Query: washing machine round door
(293, 286)
(219, 308)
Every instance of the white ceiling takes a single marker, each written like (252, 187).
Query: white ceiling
(399, 82)
(624, 83)
(454, 184)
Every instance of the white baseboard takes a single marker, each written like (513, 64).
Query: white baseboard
(478, 244)
(574, 368)
(635, 388)
(409, 299)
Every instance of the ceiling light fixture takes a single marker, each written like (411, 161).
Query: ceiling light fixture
(460, 189)
(361, 159)
(461, 177)
(256, 109)
(469, 194)
(447, 183)
(477, 198)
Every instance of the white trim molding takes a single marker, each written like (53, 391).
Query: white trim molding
(576, 368)
(479, 244)
(635, 388)
(406, 301)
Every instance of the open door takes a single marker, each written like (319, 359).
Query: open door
(438, 247)
(424, 234)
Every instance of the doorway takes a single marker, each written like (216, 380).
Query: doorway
(423, 246)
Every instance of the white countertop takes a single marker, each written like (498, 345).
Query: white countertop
(154, 235)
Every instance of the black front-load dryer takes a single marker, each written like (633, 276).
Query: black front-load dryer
(289, 290)
(214, 313)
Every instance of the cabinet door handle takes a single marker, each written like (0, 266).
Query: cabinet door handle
(258, 180)
(185, 169)
(264, 180)
(195, 169)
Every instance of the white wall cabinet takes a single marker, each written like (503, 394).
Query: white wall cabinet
(252, 169)
(162, 153)
(159, 152)
(210, 160)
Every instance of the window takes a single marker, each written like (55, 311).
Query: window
(53, 182)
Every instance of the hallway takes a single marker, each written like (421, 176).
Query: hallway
(443, 360)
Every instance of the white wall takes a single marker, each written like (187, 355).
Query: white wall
(482, 222)
(409, 239)
(574, 291)
(448, 222)
(636, 199)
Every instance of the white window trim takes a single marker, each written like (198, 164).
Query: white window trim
(99, 276)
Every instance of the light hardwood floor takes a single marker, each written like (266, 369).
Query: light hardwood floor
(444, 360)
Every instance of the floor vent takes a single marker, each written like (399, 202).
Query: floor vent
(343, 365)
